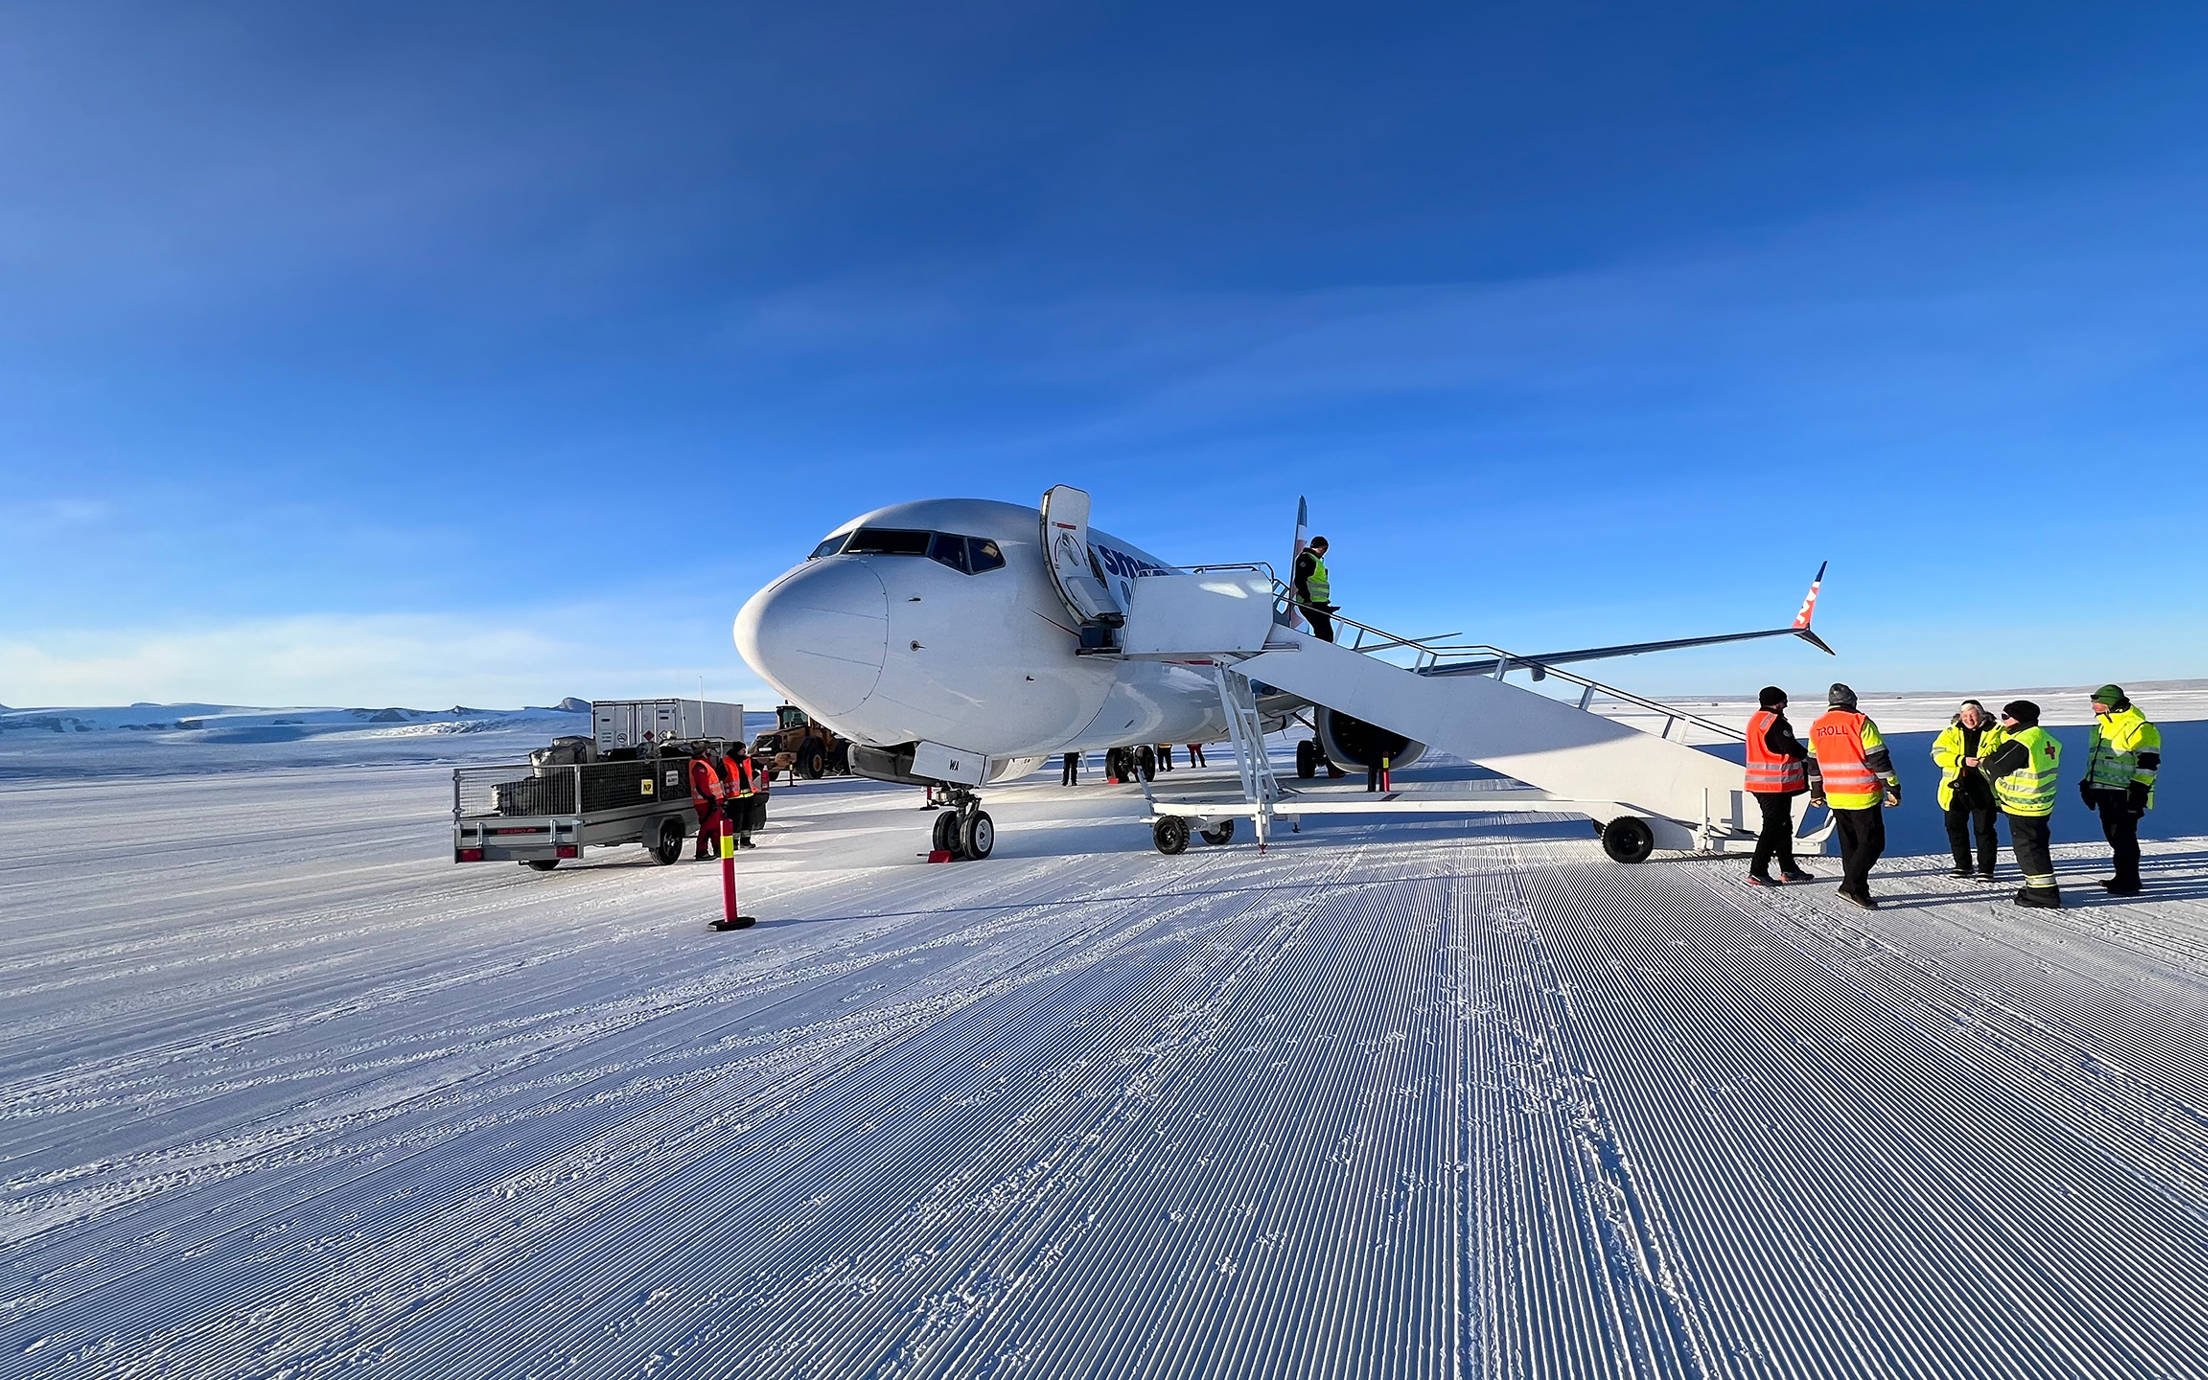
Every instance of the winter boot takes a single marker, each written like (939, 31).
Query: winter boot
(2040, 897)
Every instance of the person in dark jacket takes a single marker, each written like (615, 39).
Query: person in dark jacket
(1778, 775)
(1966, 796)
(2025, 770)
(1069, 770)
(1314, 590)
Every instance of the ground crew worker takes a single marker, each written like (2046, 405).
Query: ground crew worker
(747, 794)
(1778, 773)
(1069, 770)
(1313, 590)
(1966, 796)
(1165, 756)
(1196, 755)
(706, 792)
(2023, 772)
(1856, 776)
(2119, 779)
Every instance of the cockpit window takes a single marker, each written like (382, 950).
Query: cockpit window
(951, 551)
(887, 541)
(966, 555)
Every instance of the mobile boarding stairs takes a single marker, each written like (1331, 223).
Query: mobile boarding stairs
(1642, 789)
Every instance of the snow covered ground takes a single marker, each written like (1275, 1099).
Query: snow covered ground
(284, 1092)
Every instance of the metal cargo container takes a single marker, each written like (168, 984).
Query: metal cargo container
(622, 723)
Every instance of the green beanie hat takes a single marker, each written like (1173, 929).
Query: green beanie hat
(2110, 695)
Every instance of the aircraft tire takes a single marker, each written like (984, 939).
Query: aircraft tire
(946, 832)
(1146, 762)
(1170, 834)
(977, 835)
(1307, 759)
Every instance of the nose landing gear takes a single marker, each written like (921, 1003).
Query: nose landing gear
(965, 830)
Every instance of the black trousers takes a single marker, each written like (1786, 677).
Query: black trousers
(1776, 838)
(2121, 828)
(2028, 835)
(1971, 810)
(1862, 844)
(1069, 772)
(1322, 625)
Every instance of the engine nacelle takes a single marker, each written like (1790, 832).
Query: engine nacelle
(1350, 742)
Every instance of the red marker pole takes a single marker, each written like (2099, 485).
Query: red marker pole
(730, 919)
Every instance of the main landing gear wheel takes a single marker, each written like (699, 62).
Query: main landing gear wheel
(1146, 762)
(977, 835)
(1223, 834)
(667, 846)
(1307, 759)
(1170, 834)
(1628, 839)
(1115, 764)
(946, 832)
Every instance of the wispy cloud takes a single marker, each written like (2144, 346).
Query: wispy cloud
(376, 659)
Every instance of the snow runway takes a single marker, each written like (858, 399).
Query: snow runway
(284, 1092)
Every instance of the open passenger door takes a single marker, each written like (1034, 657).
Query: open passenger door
(1066, 556)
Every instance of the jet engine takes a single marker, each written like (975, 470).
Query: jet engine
(1349, 742)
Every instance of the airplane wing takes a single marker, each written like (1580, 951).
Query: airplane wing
(1799, 628)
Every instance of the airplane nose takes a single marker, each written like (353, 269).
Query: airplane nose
(820, 634)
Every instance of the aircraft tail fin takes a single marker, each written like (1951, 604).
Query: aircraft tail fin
(1303, 539)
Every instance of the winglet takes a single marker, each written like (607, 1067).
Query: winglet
(1809, 611)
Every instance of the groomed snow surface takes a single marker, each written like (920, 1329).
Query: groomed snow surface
(283, 1092)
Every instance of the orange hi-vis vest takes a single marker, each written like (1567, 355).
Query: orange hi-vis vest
(1768, 772)
(705, 783)
(741, 779)
(1838, 740)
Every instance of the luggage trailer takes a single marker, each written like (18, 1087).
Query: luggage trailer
(542, 816)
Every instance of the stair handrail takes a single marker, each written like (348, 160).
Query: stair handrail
(1432, 656)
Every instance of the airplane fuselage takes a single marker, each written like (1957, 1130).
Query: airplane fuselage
(937, 621)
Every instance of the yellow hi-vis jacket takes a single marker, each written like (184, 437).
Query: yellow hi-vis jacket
(1947, 753)
(2030, 789)
(2126, 749)
(1852, 761)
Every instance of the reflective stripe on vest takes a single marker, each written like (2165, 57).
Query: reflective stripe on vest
(1837, 739)
(1768, 772)
(705, 783)
(2030, 789)
(1321, 591)
(739, 774)
(2118, 739)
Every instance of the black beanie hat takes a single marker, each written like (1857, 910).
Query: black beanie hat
(1840, 696)
(2023, 711)
(1770, 697)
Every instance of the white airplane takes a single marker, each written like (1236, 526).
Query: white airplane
(955, 641)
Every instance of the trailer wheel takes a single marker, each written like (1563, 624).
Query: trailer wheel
(1170, 834)
(1223, 834)
(977, 834)
(667, 847)
(1307, 758)
(811, 761)
(541, 864)
(1628, 839)
(1146, 762)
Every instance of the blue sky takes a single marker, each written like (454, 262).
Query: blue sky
(420, 354)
